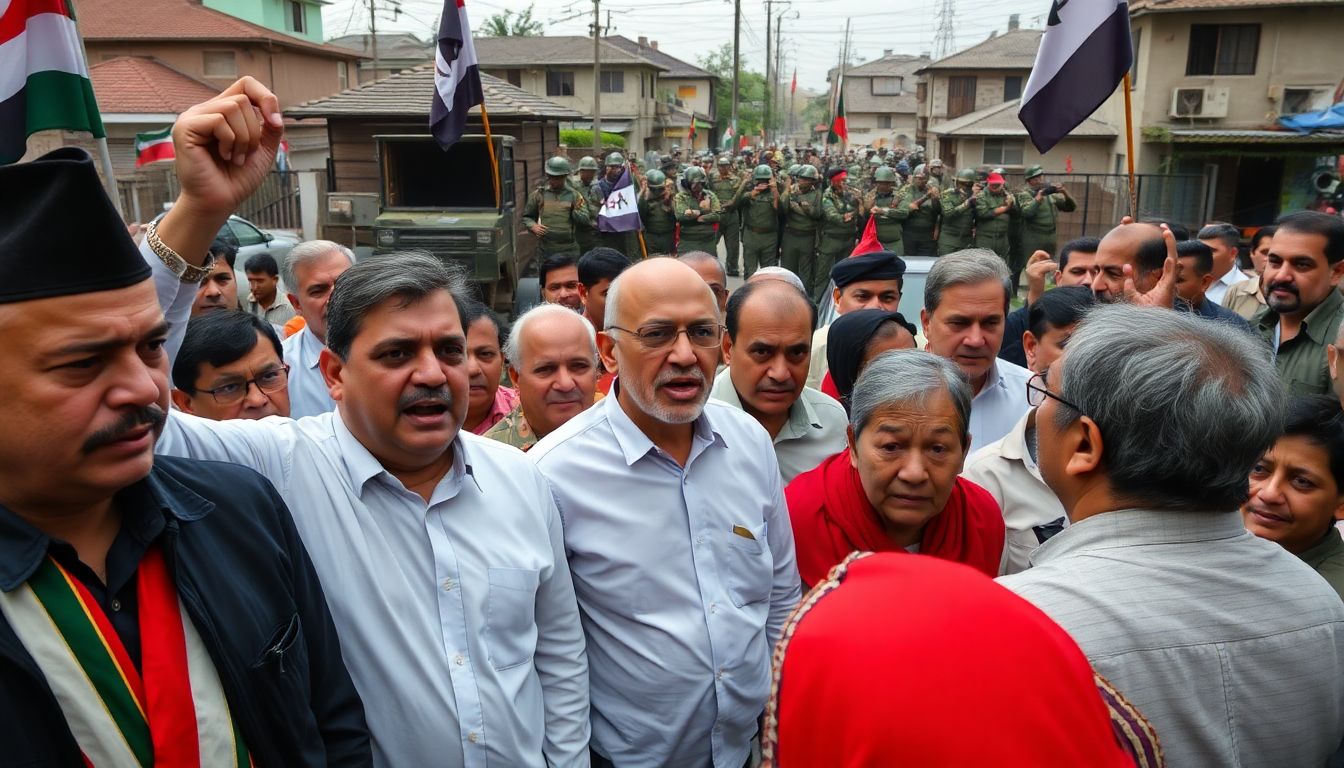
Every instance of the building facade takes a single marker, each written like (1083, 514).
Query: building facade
(881, 104)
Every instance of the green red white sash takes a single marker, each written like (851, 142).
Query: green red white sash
(169, 714)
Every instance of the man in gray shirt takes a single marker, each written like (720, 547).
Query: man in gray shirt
(1147, 428)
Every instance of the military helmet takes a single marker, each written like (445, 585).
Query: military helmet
(725, 160)
(936, 163)
(875, 160)
(1035, 171)
(557, 166)
(793, 169)
(656, 178)
(695, 174)
(885, 173)
(762, 173)
(587, 163)
(967, 175)
(808, 171)
(668, 161)
(615, 158)
(921, 170)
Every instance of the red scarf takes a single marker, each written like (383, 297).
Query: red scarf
(832, 517)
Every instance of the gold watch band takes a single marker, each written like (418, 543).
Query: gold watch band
(187, 273)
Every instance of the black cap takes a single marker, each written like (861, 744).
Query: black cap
(836, 171)
(879, 265)
(41, 254)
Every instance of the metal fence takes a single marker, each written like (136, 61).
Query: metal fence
(1103, 198)
(275, 204)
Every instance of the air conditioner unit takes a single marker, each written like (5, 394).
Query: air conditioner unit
(1198, 102)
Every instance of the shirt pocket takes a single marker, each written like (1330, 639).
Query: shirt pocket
(510, 623)
(748, 566)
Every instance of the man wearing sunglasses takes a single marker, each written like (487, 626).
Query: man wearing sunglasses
(231, 366)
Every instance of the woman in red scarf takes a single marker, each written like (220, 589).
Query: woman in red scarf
(897, 487)
(961, 672)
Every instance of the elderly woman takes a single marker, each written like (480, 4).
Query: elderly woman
(897, 487)
(487, 402)
(854, 339)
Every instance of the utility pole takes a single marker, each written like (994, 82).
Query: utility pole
(774, 84)
(737, 63)
(597, 80)
(769, 90)
(373, 41)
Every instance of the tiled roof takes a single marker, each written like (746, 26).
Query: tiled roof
(1015, 49)
(137, 85)
(548, 51)
(409, 93)
(895, 64)
(1002, 120)
(1139, 7)
(182, 20)
(675, 67)
(859, 95)
(391, 45)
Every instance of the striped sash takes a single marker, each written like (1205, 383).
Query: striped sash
(171, 713)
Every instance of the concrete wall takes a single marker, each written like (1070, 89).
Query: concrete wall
(272, 14)
(628, 105)
(702, 102)
(1087, 155)
(863, 128)
(988, 89)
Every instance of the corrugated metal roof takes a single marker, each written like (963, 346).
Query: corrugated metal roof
(1234, 136)
(1002, 120)
(550, 51)
(1015, 49)
(409, 93)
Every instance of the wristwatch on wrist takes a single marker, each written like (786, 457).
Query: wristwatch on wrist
(187, 273)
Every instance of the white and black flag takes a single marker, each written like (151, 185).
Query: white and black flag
(1084, 54)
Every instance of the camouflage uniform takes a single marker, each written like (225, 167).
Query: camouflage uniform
(697, 230)
(837, 238)
(562, 213)
(660, 223)
(1040, 219)
(958, 220)
(513, 430)
(760, 223)
(730, 221)
(991, 229)
(798, 249)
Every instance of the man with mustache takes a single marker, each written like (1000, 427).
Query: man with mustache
(1302, 275)
(767, 349)
(152, 610)
(677, 532)
(440, 551)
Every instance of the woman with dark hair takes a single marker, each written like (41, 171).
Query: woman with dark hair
(855, 339)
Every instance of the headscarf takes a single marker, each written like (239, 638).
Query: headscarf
(846, 341)
(899, 660)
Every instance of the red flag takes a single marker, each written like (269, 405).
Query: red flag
(869, 242)
(794, 88)
(1068, 163)
(744, 143)
(839, 127)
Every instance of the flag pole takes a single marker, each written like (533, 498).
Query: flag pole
(644, 249)
(1129, 149)
(104, 156)
(490, 147)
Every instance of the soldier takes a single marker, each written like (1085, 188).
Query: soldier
(798, 247)
(726, 185)
(697, 210)
(671, 172)
(921, 200)
(841, 210)
(583, 185)
(883, 203)
(958, 214)
(655, 209)
(759, 204)
(936, 173)
(555, 211)
(1040, 203)
(993, 209)
(625, 242)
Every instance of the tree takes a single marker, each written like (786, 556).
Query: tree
(506, 24)
(751, 92)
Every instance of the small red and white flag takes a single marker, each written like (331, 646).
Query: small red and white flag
(457, 80)
(154, 147)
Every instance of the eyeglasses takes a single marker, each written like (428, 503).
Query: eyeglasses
(268, 381)
(659, 335)
(1037, 392)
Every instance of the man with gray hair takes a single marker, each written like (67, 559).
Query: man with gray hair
(310, 270)
(552, 358)
(1228, 644)
(965, 308)
(710, 269)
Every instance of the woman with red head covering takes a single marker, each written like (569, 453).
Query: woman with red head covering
(961, 672)
(897, 486)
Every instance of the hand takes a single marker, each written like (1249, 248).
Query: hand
(538, 229)
(1126, 220)
(935, 193)
(226, 146)
(1012, 202)
(849, 217)
(643, 185)
(1040, 265)
(1163, 294)
(1061, 190)
(704, 204)
(976, 189)
(1040, 195)
(914, 206)
(692, 212)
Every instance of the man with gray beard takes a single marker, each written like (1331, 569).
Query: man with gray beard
(677, 534)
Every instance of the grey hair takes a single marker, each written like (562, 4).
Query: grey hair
(967, 267)
(610, 313)
(778, 273)
(545, 313)
(307, 252)
(707, 258)
(909, 376)
(1185, 406)
(407, 276)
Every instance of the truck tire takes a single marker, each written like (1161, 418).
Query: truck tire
(527, 296)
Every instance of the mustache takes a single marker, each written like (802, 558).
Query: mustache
(690, 372)
(421, 394)
(560, 398)
(1289, 287)
(151, 414)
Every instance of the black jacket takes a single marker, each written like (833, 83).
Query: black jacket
(246, 581)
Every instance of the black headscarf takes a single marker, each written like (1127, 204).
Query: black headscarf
(847, 340)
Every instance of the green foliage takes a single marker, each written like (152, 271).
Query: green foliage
(507, 24)
(817, 111)
(583, 137)
(751, 93)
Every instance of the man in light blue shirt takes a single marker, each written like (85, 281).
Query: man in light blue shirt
(311, 270)
(677, 534)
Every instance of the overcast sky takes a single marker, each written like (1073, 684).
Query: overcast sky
(689, 28)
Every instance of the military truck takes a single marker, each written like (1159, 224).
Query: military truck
(444, 203)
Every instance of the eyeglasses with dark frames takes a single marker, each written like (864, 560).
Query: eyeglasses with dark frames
(269, 381)
(1037, 392)
(660, 335)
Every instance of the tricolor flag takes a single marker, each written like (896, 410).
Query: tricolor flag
(839, 127)
(620, 211)
(154, 146)
(1084, 54)
(44, 80)
(457, 81)
(794, 88)
(728, 137)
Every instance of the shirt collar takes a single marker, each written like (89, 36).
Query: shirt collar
(1313, 324)
(635, 445)
(802, 417)
(993, 381)
(309, 348)
(144, 506)
(1233, 276)
(1124, 528)
(362, 466)
(1014, 445)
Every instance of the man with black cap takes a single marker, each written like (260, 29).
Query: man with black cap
(840, 210)
(152, 610)
(868, 281)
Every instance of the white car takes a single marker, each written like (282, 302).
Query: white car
(251, 240)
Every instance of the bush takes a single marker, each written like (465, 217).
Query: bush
(581, 138)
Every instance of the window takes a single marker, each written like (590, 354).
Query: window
(884, 121)
(219, 64)
(298, 20)
(1134, 68)
(514, 77)
(613, 81)
(960, 96)
(559, 83)
(1223, 49)
(1003, 152)
(1012, 87)
(245, 233)
(686, 92)
(921, 92)
(343, 74)
(886, 86)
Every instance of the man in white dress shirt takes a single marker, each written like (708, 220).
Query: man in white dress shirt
(677, 534)
(1225, 240)
(965, 305)
(440, 552)
(311, 270)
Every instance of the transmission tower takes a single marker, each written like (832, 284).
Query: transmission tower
(943, 39)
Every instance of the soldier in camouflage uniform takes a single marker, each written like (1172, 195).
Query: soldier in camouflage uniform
(921, 200)
(513, 430)
(955, 229)
(582, 183)
(726, 185)
(655, 209)
(1040, 212)
(759, 203)
(554, 212)
(883, 204)
(625, 242)
(697, 211)
(798, 247)
(841, 210)
(993, 210)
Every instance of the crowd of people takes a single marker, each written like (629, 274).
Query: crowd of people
(655, 521)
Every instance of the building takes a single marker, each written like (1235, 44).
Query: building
(300, 18)
(881, 108)
(396, 52)
(685, 93)
(1210, 81)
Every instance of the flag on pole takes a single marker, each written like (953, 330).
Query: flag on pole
(1084, 54)
(154, 146)
(691, 134)
(794, 88)
(282, 157)
(839, 128)
(457, 80)
(44, 79)
(620, 211)
(728, 138)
